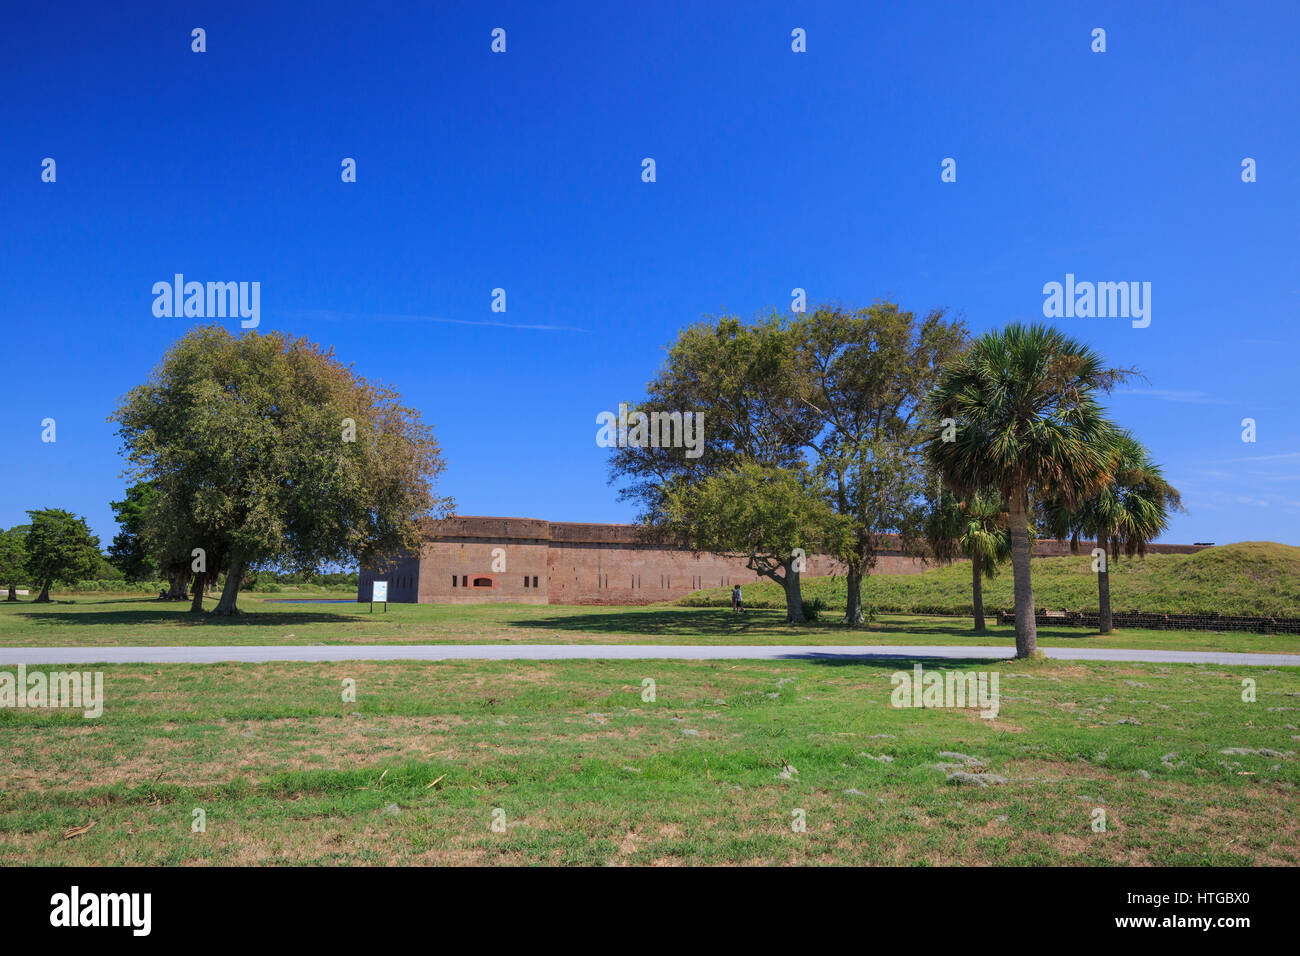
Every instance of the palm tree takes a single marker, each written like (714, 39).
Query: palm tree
(1026, 421)
(977, 528)
(1123, 515)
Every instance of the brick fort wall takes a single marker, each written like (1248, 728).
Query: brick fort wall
(477, 560)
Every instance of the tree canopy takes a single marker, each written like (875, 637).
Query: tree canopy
(975, 527)
(13, 558)
(1018, 412)
(773, 516)
(264, 450)
(130, 552)
(867, 373)
(834, 397)
(1122, 515)
(59, 547)
(744, 378)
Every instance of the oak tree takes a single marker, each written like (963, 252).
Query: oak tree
(268, 452)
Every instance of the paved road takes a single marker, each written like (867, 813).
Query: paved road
(551, 652)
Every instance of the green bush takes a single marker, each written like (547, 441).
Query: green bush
(119, 586)
(141, 587)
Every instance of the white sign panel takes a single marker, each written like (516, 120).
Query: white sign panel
(381, 592)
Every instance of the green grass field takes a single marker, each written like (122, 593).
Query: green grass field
(1253, 578)
(587, 772)
(101, 620)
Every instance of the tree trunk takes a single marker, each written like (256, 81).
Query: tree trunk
(977, 591)
(13, 593)
(793, 596)
(230, 593)
(200, 586)
(1026, 627)
(1103, 598)
(44, 596)
(853, 613)
(179, 585)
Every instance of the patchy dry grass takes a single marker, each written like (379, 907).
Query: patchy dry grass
(587, 772)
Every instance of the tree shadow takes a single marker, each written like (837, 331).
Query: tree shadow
(903, 624)
(882, 661)
(82, 602)
(694, 622)
(721, 622)
(177, 616)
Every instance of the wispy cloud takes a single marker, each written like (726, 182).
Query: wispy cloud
(330, 316)
(1289, 454)
(1170, 395)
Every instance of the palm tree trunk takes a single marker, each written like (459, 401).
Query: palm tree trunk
(230, 593)
(977, 590)
(1026, 627)
(1103, 599)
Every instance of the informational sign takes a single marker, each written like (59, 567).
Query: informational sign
(379, 592)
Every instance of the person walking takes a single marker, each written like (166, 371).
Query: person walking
(737, 600)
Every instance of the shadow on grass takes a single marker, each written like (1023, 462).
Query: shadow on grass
(686, 622)
(883, 661)
(903, 624)
(178, 616)
(698, 622)
(81, 602)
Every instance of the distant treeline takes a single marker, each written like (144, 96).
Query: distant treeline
(110, 579)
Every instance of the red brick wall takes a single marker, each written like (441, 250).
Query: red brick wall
(591, 564)
(593, 573)
(1049, 548)
(466, 559)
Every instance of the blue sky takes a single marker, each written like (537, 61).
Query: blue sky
(775, 170)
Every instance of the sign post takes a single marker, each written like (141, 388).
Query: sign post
(379, 592)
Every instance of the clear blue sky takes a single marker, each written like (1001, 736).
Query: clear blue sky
(775, 170)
